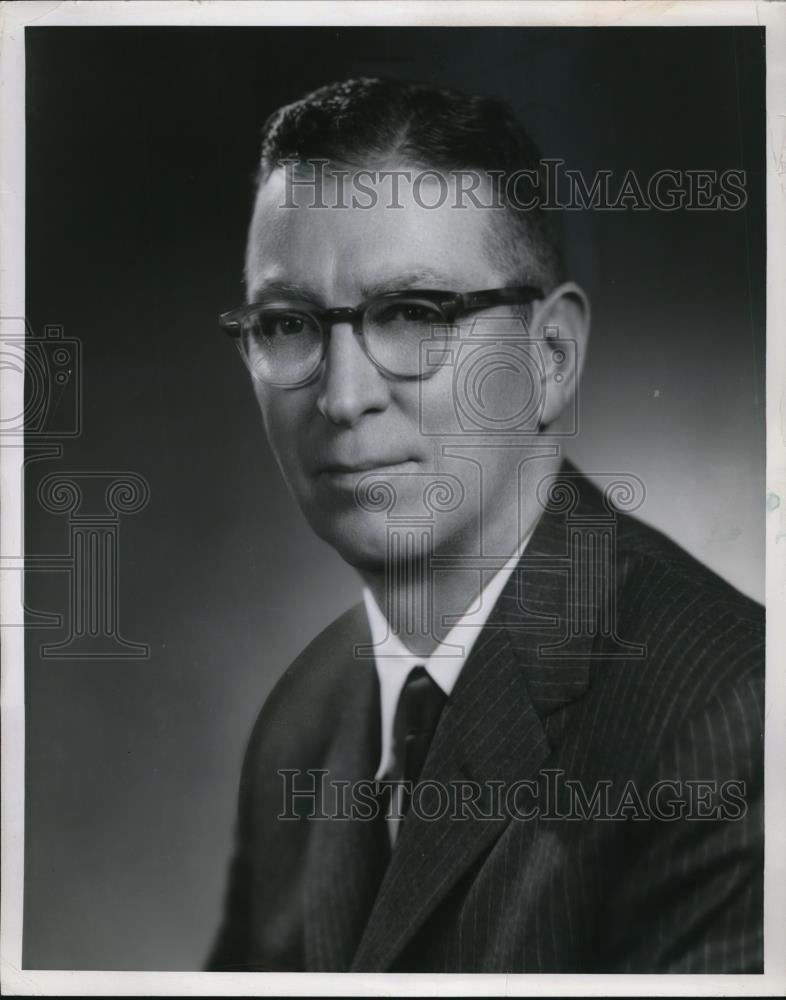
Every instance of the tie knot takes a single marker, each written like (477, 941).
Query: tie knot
(420, 704)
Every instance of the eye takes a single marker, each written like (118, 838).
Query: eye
(288, 325)
(415, 314)
(409, 313)
(278, 324)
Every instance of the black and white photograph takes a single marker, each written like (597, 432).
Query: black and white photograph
(393, 481)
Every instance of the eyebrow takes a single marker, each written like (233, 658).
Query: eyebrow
(282, 288)
(421, 277)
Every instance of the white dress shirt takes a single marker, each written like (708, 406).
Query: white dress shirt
(394, 661)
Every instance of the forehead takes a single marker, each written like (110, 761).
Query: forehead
(343, 249)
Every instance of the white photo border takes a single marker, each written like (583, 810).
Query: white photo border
(14, 17)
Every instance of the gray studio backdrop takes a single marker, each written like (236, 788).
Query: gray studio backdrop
(141, 145)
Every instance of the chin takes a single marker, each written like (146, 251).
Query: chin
(358, 537)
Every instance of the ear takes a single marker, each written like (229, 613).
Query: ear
(560, 324)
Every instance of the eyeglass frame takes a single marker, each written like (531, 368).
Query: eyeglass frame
(451, 304)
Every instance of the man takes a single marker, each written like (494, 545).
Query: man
(536, 746)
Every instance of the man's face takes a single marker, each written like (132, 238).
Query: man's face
(353, 419)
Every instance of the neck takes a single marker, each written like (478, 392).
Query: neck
(421, 604)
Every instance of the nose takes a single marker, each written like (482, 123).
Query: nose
(350, 384)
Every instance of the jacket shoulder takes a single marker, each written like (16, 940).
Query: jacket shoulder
(701, 635)
(310, 692)
(657, 570)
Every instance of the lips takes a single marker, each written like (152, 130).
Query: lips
(346, 476)
(368, 465)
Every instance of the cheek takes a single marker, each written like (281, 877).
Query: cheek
(283, 418)
(436, 404)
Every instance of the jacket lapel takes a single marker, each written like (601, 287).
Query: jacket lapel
(345, 858)
(492, 729)
(488, 730)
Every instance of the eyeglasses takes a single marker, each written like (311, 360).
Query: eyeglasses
(284, 342)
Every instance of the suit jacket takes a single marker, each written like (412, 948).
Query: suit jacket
(612, 660)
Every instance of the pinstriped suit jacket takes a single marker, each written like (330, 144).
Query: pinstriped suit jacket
(673, 692)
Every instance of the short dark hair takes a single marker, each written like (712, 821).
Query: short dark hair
(357, 121)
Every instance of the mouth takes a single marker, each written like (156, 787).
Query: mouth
(348, 475)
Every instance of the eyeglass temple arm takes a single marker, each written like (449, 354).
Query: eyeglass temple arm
(521, 295)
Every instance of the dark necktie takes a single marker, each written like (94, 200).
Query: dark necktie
(419, 707)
